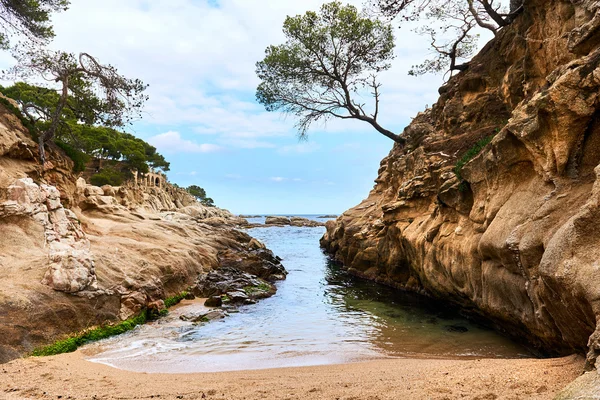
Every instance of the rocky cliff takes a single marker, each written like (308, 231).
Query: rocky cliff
(74, 256)
(512, 235)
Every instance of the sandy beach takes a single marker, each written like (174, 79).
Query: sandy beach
(70, 376)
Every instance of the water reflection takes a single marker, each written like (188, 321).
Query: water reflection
(320, 315)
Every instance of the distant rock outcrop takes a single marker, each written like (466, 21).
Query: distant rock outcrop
(292, 221)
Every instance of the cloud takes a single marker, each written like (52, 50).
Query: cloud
(278, 179)
(300, 148)
(199, 60)
(172, 142)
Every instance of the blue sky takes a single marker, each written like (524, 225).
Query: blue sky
(199, 58)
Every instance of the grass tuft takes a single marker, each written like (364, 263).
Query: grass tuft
(171, 301)
(262, 287)
(470, 154)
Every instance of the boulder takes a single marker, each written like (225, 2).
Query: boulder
(213, 301)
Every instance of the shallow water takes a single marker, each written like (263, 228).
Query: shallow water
(320, 315)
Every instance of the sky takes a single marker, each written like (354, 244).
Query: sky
(198, 56)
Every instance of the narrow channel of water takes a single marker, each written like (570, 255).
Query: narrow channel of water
(320, 315)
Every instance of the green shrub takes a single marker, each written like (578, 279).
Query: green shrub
(470, 154)
(108, 176)
(80, 159)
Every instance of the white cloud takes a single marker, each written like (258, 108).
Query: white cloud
(278, 179)
(300, 148)
(172, 142)
(199, 60)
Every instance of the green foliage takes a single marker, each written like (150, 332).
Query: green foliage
(208, 202)
(29, 19)
(72, 343)
(80, 159)
(163, 313)
(81, 91)
(196, 191)
(327, 58)
(261, 287)
(108, 176)
(200, 195)
(76, 133)
(84, 89)
(470, 154)
(171, 301)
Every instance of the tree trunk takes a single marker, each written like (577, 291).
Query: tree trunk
(396, 138)
(42, 150)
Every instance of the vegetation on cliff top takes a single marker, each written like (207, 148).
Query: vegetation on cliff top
(29, 19)
(83, 90)
(200, 195)
(83, 102)
(331, 58)
(451, 26)
(82, 141)
(328, 61)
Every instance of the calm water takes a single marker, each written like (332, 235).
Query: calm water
(320, 315)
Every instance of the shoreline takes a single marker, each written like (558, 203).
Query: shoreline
(70, 376)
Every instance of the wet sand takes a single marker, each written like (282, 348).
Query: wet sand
(70, 376)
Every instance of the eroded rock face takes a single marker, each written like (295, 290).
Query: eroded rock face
(71, 267)
(517, 240)
(113, 250)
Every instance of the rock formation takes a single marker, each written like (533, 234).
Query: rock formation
(71, 268)
(73, 255)
(513, 235)
(291, 221)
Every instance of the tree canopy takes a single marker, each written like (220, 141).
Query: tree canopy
(29, 19)
(200, 195)
(329, 60)
(84, 90)
(76, 129)
(451, 26)
(83, 104)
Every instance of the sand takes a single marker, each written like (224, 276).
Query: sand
(70, 376)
